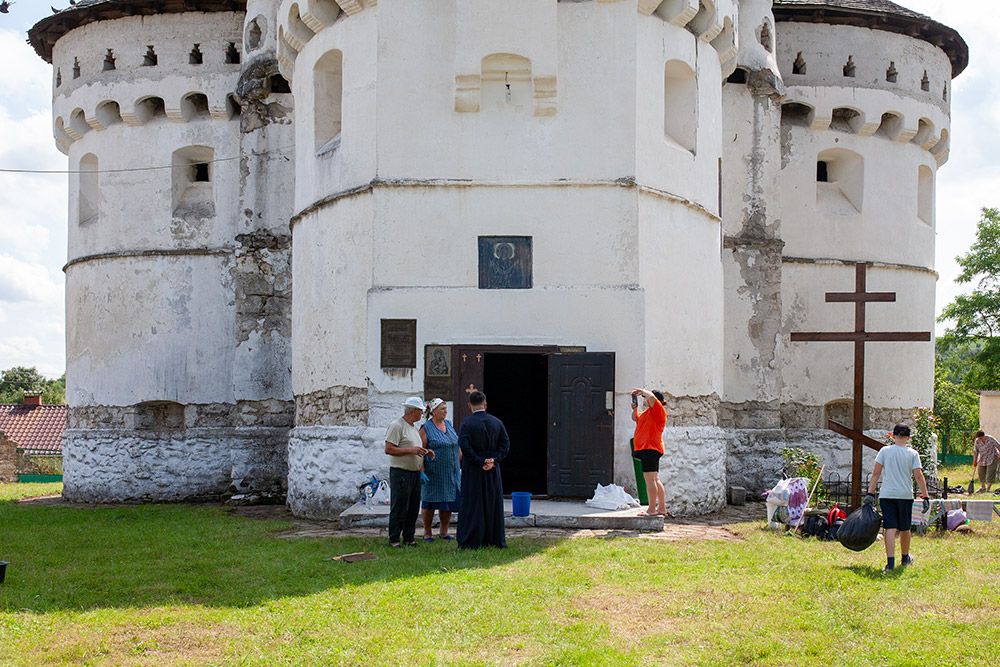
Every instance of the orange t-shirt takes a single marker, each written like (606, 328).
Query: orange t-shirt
(649, 427)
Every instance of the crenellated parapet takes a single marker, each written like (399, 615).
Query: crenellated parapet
(300, 20)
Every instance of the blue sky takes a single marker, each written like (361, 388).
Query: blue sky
(33, 208)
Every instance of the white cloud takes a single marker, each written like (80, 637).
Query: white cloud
(25, 281)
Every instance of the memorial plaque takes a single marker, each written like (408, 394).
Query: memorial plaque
(504, 262)
(399, 343)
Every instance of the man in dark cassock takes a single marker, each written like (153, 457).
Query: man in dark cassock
(484, 442)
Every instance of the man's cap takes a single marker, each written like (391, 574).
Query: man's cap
(414, 402)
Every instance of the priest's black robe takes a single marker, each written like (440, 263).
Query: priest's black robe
(480, 514)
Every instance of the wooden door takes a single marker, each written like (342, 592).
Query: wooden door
(581, 422)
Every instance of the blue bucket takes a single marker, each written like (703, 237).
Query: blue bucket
(520, 502)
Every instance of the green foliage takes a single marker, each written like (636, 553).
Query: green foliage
(199, 585)
(20, 380)
(956, 407)
(925, 423)
(800, 463)
(975, 317)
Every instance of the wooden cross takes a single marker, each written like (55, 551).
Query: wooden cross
(860, 297)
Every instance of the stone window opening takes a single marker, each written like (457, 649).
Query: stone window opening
(822, 172)
(739, 75)
(150, 58)
(88, 190)
(58, 77)
(233, 108)
(891, 75)
(925, 195)
(842, 191)
(109, 61)
(849, 67)
(254, 34)
(232, 54)
(191, 175)
(328, 93)
(506, 83)
(765, 36)
(150, 109)
(799, 66)
(78, 122)
(76, 68)
(277, 84)
(925, 130)
(109, 113)
(796, 113)
(944, 93)
(195, 106)
(158, 416)
(891, 126)
(845, 119)
(680, 105)
(196, 57)
(925, 83)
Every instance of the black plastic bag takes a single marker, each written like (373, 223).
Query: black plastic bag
(860, 529)
(835, 528)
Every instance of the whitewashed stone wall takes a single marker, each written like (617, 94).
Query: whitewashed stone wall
(327, 464)
(693, 470)
(204, 463)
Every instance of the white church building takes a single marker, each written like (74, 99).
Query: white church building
(286, 217)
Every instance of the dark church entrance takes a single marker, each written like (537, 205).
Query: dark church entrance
(558, 408)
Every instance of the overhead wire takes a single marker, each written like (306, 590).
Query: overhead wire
(6, 170)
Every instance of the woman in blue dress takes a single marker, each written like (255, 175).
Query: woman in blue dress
(440, 492)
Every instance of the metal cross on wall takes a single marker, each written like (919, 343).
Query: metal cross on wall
(860, 297)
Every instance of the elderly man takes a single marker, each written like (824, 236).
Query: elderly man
(403, 446)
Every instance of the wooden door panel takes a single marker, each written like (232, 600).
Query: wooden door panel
(581, 422)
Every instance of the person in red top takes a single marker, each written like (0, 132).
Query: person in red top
(648, 444)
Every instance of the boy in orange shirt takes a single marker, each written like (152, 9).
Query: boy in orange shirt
(649, 425)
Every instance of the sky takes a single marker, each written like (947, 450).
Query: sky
(33, 208)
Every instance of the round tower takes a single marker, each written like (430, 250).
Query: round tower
(863, 129)
(144, 108)
(519, 197)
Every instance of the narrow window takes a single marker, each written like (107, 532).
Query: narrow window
(925, 83)
(739, 75)
(109, 60)
(680, 105)
(891, 75)
(822, 173)
(76, 68)
(840, 181)
(944, 93)
(849, 67)
(328, 79)
(191, 174)
(149, 60)
(799, 66)
(925, 195)
(88, 190)
(196, 57)
(58, 77)
(232, 54)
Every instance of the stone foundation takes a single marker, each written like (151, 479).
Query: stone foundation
(339, 405)
(327, 464)
(693, 470)
(114, 465)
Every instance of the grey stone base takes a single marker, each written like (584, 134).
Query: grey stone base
(754, 458)
(327, 464)
(118, 465)
(693, 470)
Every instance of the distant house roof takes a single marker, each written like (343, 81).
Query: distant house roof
(44, 34)
(37, 429)
(878, 15)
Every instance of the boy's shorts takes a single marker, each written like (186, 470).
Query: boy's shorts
(897, 513)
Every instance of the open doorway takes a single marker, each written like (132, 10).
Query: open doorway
(516, 386)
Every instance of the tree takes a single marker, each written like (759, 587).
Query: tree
(976, 316)
(955, 406)
(20, 380)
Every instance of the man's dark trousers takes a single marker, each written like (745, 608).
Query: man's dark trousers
(404, 504)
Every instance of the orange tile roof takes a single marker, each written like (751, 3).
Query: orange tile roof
(37, 429)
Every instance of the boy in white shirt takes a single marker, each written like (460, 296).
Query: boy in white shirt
(900, 464)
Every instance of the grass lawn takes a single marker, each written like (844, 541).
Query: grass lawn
(179, 584)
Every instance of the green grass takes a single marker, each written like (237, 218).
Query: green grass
(175, 584)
